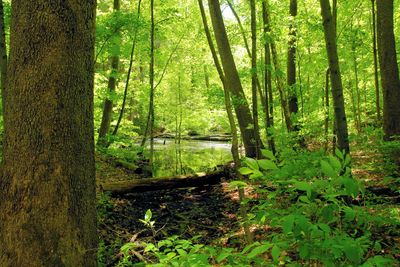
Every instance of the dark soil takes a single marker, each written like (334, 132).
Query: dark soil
(206, 212)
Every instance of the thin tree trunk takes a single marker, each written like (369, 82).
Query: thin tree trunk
(269, 107)
(112, 84)
(279, 80)
(151, 83)
(254, 78)
(326, 105)
(291, 60)
(233, 83)
(376, 71)
(249, 53)
(3, 55)
(389, 69)
(357, 86)
(47, 183)
(121, 113)
(337, 87)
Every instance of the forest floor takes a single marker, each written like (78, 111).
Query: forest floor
(208, 213)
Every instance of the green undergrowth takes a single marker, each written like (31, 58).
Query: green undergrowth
(309, 211)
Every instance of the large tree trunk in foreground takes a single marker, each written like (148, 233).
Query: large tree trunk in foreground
(112, 85)
(233, 83)
(389, 68)
(336, 79)
(3, 54)
(47, 185)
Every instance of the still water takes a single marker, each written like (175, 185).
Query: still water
(190, 156)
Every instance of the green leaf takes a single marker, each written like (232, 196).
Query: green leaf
(339, 154)
(276, 252)
(304, 251)
(288, 224)
(256, 174)
(335, 163)
(352, 252)
(245, 171)
(181, 252)
(251, 163)
(266, 164)
(259, 250)
(248, 247)
(148, 215)
(327, 169)
(351, 186)
(239, 184)
(304, 199)
(268, 154)
(223, 256)
(302, 186)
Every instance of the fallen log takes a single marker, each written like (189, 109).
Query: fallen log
(216, 137)
(152, 184)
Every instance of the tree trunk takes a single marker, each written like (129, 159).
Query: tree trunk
(291, 60)
(254, 78)
(337, 87)
(249, 53)
(376, 74)
(121, 113)
(3, 54)
(326, 106)
(112, 84)
(47, 200)
(269, 107)
(233, 83)
(228, 103)
(389, 68)
(151, 83)
(279, 81)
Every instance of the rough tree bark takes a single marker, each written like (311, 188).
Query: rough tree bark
(112, 84)
(233, 83)
(337, 87)
(47, 184)
(389, 68)
(3, 54)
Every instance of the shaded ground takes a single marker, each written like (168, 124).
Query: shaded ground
(207, 212)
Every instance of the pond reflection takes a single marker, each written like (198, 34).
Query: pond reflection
(190, 156)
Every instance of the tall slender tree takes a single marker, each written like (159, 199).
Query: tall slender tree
(233, 82)
(122, 111)
(389, 68)
(47, 183)
(280, 83)
(269, 106)
(291, 59)
(112, 83)
(376, 70)
(336, 79)
(254, 78)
